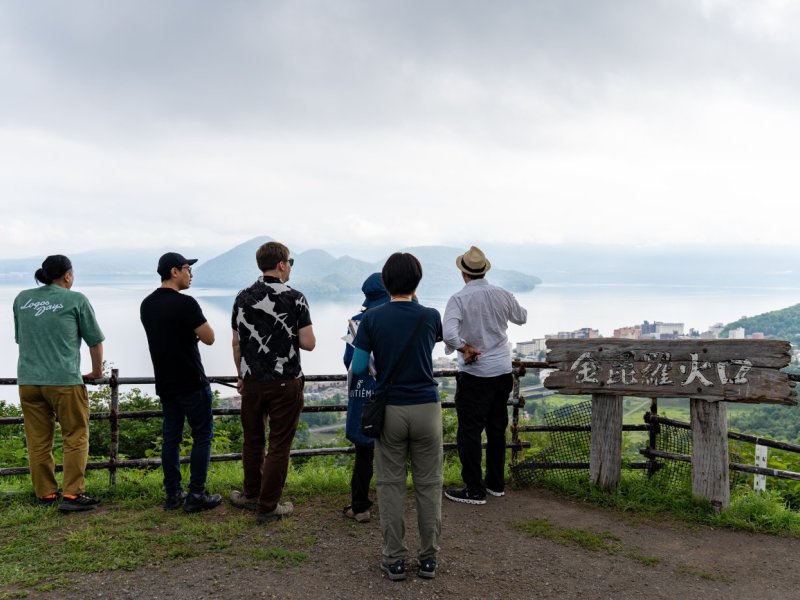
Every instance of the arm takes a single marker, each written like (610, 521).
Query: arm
(519, 316)
(237, 359)
(96, 353)
(205, 334)
(451, 327)
(360, 362)
(307, 340)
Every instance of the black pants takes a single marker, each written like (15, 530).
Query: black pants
(481, 404)
(362, 475)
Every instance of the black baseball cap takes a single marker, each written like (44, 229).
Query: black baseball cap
(172, 259)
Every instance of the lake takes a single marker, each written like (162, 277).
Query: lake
(551, 308)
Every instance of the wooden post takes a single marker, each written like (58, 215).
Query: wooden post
(113, 422)
(760, 481)
(605, 458)
(655, 429)
(710, 476)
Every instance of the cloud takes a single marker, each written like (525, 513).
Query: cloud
(369, 123)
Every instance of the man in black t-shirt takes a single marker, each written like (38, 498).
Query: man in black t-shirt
(271, 323)
(174, 323)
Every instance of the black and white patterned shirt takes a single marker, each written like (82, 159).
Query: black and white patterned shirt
(267, 316)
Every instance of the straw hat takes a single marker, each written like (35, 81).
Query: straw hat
(473, 262)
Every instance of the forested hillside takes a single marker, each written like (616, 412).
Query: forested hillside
(782, 324)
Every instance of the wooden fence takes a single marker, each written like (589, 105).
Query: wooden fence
(606, 421)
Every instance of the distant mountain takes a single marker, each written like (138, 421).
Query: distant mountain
(235, 268)
(94, 264)
(318, 273)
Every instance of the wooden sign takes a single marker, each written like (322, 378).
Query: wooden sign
(732, 370)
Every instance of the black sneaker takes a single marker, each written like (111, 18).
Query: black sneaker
(396, 570)
(465, 496)
(175, 501)
(50, 500)
(495, 493)
(427, 568)
(198, 502)
(77, 503)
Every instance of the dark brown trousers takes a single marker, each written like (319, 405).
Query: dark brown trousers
(275, 405)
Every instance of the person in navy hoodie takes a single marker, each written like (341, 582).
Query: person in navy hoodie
(360, 389)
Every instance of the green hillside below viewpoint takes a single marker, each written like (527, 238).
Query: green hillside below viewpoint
(781, 324)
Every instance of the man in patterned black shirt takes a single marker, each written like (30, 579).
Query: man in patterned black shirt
(271, 324)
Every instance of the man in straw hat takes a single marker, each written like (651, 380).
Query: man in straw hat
(475, 322)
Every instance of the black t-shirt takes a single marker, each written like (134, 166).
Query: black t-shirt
(268, 316)
(169, 319)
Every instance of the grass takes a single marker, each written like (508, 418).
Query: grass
(750, 511)
(41, 546)
(588, 540)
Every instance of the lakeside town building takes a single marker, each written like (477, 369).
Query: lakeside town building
(657, 330)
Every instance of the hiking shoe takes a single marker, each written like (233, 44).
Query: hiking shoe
(361, 517)
(281, 511)
(175, 501)
(499, 494)
(49, 501)
(427, 568)
(77, 503)
(198, 502)
(239, 500)
(396, 571)
(465, 496)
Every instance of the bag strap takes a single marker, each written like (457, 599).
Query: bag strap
(406, 349)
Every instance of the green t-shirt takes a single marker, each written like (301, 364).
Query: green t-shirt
(49, 324)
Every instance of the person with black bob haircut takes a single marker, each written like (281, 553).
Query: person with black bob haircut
(401, 335)
(49, 324)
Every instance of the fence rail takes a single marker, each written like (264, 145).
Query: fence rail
(114, 416)
(652, 425)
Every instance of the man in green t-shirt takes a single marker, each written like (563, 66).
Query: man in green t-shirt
(49, 324)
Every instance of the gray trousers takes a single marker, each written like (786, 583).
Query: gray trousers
(410, 432)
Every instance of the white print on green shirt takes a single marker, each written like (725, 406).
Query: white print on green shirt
(41, 307)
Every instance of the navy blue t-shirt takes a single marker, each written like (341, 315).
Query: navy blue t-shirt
(385, 331)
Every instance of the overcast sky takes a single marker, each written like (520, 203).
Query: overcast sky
(376, 123)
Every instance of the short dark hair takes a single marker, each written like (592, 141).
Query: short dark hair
(401, 274)
(471, 277)
(270, 254)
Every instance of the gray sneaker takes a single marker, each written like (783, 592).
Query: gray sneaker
(361, 517)
(239, 500)
(281, 511)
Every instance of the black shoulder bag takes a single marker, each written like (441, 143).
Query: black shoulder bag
(375, 408)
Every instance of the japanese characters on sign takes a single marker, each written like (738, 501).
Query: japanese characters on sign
(658, 369)
(733, 370)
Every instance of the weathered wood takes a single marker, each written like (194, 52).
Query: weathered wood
(773, 354)
(605, 457)
(710, 477)
(731, 370)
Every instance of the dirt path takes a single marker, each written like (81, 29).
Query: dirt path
(483, 556)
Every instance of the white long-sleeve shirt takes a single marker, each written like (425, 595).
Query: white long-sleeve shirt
(479, 315)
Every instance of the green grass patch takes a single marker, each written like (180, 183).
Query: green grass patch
(588, 540)
(647, 561)
(708, 576)
(40, 547)
(279, 557)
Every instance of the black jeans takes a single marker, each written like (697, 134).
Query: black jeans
(481, 404)
(194, 407)
(362, 475)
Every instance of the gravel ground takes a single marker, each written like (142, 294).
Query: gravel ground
(483, 556)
